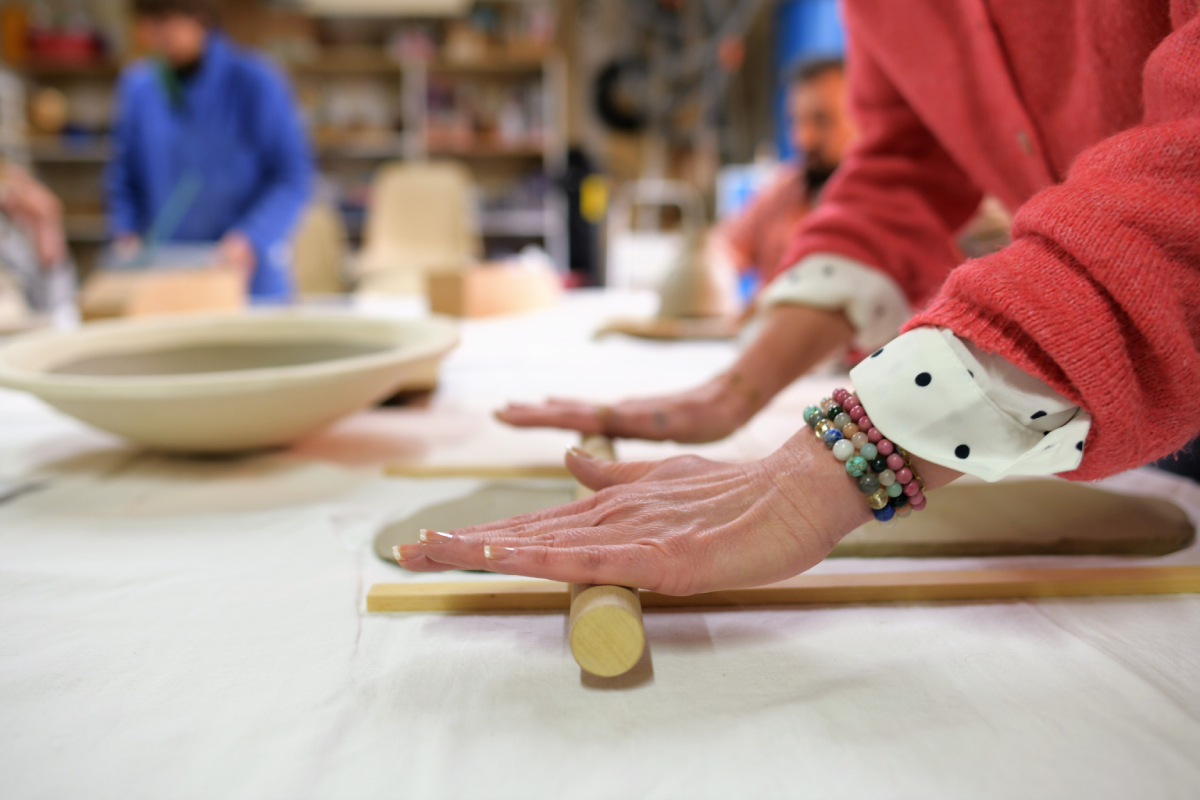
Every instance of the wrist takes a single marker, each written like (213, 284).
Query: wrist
(738, 395)
(885, 472)
(792, 340)
(810, 477)
(934, 475)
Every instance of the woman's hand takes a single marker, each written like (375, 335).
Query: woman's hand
(26, 199)
(792, 339)
(236, 252)
(680, 526)
(704, 414)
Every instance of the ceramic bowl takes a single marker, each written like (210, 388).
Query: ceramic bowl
(225, 383)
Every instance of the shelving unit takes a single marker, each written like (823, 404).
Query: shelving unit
(72, 163)
(365, 108)
(489, 156)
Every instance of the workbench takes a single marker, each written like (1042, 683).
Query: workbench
(174, 628)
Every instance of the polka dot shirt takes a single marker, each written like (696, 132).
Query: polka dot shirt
(934, 394)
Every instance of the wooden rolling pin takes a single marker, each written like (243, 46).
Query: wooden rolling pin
(606, 633)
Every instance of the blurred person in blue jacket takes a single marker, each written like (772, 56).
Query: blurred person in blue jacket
(209, 147)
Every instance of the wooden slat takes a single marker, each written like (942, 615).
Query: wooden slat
(469, 596)
(881, 587)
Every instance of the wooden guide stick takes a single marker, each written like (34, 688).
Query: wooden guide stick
(606, 633)
(877, 587)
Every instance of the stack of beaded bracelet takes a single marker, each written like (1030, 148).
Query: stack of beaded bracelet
(884, 471)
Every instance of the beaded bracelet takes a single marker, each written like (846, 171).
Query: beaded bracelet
(884, 471)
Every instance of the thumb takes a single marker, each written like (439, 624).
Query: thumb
(597, 474)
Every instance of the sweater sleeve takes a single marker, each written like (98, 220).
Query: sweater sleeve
(121, 174)
(289, 167)
(898, 198)
(1099, 294)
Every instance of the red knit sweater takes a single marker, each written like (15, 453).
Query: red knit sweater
(1085, 116)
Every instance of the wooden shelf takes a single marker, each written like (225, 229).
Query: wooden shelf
(86, 228)
(364, 151)
(497, 66)
(515, 223)
(68, 69)
(488, 151)
(58, 151)
(357, 65)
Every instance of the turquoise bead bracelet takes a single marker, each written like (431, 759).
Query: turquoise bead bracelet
(883, 471)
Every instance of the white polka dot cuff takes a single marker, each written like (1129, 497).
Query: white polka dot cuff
(950, 403)
(872, 301)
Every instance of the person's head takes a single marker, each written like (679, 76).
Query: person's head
(821, 128)
(174, 30)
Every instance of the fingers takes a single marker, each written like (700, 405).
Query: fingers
(622, 564)
(618, 564)
(413, 559)
(597, 474)
(573, 416)
(466, 550)
(544, 521)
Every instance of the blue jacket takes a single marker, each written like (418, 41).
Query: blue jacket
(231, 148)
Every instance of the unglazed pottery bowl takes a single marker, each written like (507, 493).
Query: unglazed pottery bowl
(225, 383)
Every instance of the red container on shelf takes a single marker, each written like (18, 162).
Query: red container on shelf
(65, 47)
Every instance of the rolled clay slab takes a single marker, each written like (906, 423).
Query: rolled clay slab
(1034, 517)
(1027, 517)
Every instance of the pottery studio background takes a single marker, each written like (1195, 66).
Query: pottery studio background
(535, 126)
(285, 282)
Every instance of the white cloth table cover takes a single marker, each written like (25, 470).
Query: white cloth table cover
(196, 629)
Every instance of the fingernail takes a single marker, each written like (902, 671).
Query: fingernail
(494, 553)
(580, 452)
(406, 552)
(435, 537)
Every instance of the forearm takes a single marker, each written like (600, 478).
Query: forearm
(792, 340)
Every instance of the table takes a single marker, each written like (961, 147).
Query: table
(173, 628)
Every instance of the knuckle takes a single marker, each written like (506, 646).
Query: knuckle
(593, 558)
(548, 539)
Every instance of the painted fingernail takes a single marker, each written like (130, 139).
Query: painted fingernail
(435, 537)
(406, 552)
(495, 553)
(580, 452)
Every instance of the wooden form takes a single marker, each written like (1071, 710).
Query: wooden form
(878, 587)
(138, 293)
(491, 290)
